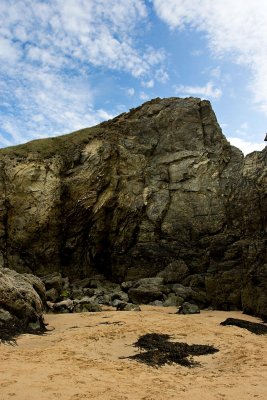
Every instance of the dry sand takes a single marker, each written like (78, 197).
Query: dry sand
(81, 359)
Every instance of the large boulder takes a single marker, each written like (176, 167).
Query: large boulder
(174, 272)
(22, 298)
(147, 290)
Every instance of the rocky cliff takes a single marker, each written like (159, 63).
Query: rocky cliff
(156, 191)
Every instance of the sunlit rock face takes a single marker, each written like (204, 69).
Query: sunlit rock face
(156, 189)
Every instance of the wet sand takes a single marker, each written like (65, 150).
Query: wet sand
(82, 359)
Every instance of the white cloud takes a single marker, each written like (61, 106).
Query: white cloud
(88, 31)
(130, 91)
(148, 84)
(143, 96)
(237, 28)
(207, 91)
(161, 75)
(9, 52)
(47, 52)
(104, 115)
(48, 104)
(246, 146)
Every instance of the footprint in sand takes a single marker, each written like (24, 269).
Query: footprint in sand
(7, 383)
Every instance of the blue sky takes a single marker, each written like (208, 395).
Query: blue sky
(69, 64)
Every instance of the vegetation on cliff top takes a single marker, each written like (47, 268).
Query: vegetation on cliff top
(65, 145)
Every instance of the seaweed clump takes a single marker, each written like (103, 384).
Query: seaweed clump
(160, 351)
(11, 330)
(254, 327)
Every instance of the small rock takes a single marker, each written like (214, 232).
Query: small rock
(91, 308)
(78, 308)
(5, 315)
(78, 293)
(154, 281)
(147, 290)
(82, 284)
(120, 296)
(87, 291)
(116, 302)
(65, 306)
(84, 300)
(182, 291)
(106, 299)
(126, 285)
(173, 300)
(52, 295)
(128, 307)
(156, 303)
(188, 308)
(53, 281)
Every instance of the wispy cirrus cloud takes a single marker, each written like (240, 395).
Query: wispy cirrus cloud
(237, 29)
(48, 54)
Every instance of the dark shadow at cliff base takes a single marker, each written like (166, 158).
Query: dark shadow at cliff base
(11, 330)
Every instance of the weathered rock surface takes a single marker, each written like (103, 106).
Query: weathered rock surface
(147, 290)
(128, 307)
(22, 298)
(156, 191)
(174, 272)
(188, 308)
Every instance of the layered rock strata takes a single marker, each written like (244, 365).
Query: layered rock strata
(156, 191)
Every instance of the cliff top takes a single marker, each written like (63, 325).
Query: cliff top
(68, 143)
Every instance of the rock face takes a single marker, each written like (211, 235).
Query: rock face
(155, 192)
(22, 298)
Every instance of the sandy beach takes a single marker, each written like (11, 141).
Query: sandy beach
(84, 358)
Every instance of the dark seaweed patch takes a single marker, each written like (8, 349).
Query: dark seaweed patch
(254, 327)
(160, 351)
